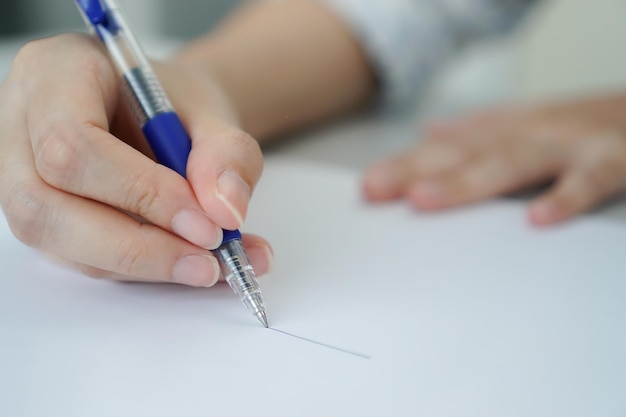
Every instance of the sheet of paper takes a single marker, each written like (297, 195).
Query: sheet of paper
(467, 313)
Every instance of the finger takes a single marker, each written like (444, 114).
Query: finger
(391, 178)
(447, 146)
(82, 78)
(258, 250)
(386, 180)
(502, 171)
(88, 232)
(224, 167)
(91, 271)
(99, 236)
(581, 188)
(225, 163)
(260, 253)
(74, 152)
(87, 161)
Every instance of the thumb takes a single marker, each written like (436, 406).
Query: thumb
(223, 169)
(225, 163)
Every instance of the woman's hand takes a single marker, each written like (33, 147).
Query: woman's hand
(581, 145)
(70, 187)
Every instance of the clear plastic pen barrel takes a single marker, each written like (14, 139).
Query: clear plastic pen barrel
(145, 93)
(241, 278)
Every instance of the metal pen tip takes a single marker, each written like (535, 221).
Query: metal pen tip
(262, 318)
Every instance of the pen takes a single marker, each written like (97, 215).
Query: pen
(165, 134)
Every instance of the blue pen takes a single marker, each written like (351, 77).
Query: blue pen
(165, 133)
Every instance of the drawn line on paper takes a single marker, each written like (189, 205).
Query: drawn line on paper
(326, 345)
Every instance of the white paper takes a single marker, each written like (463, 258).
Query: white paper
(466, 313)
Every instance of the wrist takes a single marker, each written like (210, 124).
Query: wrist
(284, 66)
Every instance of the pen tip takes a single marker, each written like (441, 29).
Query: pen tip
(263, 319)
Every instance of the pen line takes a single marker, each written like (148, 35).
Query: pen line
(350, 352)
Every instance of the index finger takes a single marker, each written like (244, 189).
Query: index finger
(68, 119)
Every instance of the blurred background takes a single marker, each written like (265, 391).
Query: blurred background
(185, 18)
(565, 47)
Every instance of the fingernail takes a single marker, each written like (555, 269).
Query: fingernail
(379, 177)
(195, 227)
(261, 258)
(235, 193)
(544, 212)
(428, 195)
(429, 190)
(196, 270)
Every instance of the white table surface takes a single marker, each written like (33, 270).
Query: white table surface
(471, 313)
(357, 142)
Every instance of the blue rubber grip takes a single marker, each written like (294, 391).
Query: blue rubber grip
(169, 141)
(231, 235)
(94, 10)
(171, 146)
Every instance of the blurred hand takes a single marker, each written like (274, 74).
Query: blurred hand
(70, 187)
(580, 145)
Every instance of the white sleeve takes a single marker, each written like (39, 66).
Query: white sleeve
(406, 39)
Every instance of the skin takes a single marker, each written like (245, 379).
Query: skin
(579, 146)
(285, 65)
(78, 182)
(71, 188)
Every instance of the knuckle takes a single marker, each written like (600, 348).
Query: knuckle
(133, 259)
(145, 196)
(57, 155)
(602, 178)
(57, 50)
(28, 215)
(35, 53)
(246, 143)
(35, 50)
(249, 149)
(31, 52)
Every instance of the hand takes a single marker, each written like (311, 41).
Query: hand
(70, 187)
(580, 145)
